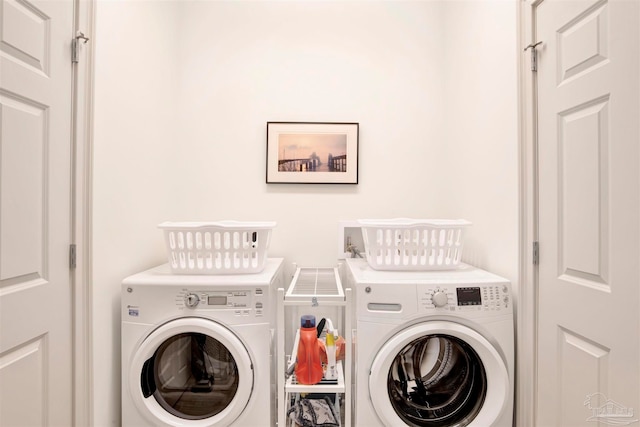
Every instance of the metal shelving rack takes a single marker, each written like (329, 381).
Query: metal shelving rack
(314, 287)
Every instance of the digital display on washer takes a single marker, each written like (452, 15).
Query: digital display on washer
(469, 296)
(217, 300)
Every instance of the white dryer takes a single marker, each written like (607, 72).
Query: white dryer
(433, 348)
(197, 350)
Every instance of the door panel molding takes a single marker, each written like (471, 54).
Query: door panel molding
(574, 60)
(31, 355)
(34, 52)
(577, 351)
(583, 199)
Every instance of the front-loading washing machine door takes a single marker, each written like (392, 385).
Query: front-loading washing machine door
(438, 374)
(191, 372)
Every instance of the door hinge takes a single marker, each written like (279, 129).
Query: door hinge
(536, 253)
(75, 46)
(534, 55)
(72, 255)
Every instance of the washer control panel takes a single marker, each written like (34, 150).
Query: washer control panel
(481, 297)
(242, 302)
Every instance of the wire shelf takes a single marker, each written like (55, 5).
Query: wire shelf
(315, 285)
(324, 386)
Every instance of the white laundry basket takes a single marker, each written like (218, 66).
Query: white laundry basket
(413, 244)
(222, 247)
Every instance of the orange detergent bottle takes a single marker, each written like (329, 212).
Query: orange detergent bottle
(309, 367)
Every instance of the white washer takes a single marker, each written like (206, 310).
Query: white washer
(197, 350)
(433, 348)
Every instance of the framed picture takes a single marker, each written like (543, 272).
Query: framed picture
(312, 153)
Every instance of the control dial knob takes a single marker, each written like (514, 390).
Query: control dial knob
(439, 298)
(191, 300)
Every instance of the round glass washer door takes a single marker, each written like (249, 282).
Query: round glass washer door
(191, 371)
(437, 374)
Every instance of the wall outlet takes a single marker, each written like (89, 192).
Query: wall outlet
(349, 234)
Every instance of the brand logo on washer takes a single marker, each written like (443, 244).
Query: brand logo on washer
(133, 311)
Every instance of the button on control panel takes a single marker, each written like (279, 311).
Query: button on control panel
(494, 297)
(242, 302)
(436, 298)
(191, 300)
(447, 297)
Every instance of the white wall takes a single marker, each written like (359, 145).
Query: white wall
(133, 170)
(479, 167)
(184, 91)
(246, 63)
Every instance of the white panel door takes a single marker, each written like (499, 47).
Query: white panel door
(589, 187)
(35, 222)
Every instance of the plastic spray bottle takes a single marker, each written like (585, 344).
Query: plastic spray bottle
(332, 371)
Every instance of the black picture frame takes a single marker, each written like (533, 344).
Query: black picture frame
(312, 153)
